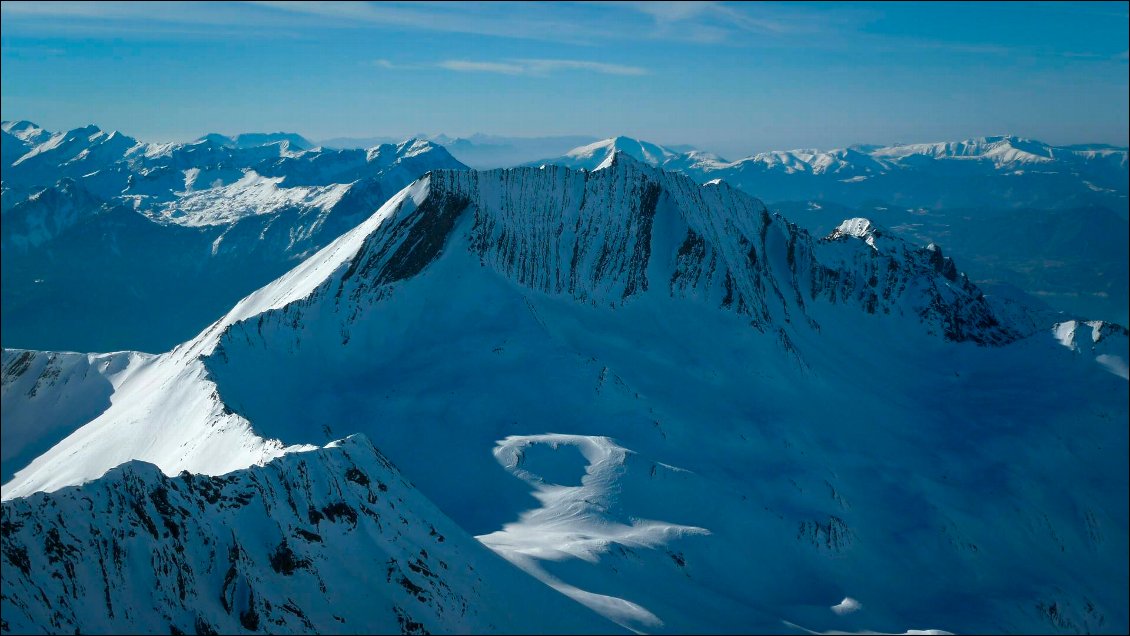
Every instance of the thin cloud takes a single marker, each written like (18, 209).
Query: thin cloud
(717, 21)
(509, 20)
(539, 67)
(543, 67)
(467, 66)
(574, 23)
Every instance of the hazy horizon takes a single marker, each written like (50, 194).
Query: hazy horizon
(734, 79)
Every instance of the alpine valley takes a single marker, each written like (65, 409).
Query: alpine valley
(616, 395)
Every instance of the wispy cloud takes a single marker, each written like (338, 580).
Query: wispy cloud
(761, 25)
(574, 23)
(536, 21)
(533, 67)
(542, 67)
(469, 66)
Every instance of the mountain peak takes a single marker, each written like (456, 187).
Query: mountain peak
(414, 146)
(592, 156)
(12, 127)
(858, 227)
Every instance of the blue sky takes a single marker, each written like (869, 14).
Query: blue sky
(732, 78)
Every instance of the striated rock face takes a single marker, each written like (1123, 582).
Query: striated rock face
(328, 540)
(607, 236)
(894, 276)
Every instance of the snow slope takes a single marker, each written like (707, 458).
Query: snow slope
(706, 419)
(46, 396)
(333, 539)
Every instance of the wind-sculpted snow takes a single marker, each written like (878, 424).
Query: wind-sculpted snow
(718, 423)
(583, 521)
(332, 540)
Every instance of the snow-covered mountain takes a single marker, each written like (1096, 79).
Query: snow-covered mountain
(481, 151)
(178, 232)
(1063, 208)
(1076, 259)
(331, 540)
(652, 396)
(249, 140)
(987, 172)
(590, 156)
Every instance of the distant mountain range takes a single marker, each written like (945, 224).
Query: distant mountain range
(481, 151)
(294, 141)
(989, 172)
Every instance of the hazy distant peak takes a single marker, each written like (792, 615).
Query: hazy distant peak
(250, 140)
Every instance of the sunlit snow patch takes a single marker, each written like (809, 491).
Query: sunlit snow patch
(909, 632)
(1107, 341)
(847, 606)
(576, 522)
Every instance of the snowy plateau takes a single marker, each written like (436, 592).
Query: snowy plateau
(611, 396)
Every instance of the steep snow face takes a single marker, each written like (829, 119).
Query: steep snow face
(333, 539)
(592, 236)
(46, 396)
(893, 272)
(170, 413)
